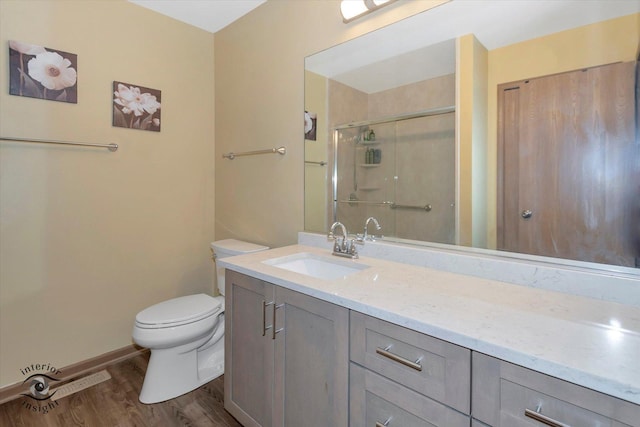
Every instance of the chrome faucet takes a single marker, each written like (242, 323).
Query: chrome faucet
(366, 236)
(343, 247)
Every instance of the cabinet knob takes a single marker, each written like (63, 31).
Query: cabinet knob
(526, 214)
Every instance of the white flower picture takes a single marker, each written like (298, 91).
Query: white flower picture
(136, 107)
(40, 72)
(310, 125)
(52, 70)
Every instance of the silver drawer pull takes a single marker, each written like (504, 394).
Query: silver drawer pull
(536, 415)
(264, 317)
(274, 331)
(385, 424)
(406, 362)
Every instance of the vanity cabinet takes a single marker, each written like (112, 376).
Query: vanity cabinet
(401, 377)
(507, 395)
(249, 350)
(268, 326)
(294, 360)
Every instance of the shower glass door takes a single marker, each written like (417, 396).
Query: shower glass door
(400, 171)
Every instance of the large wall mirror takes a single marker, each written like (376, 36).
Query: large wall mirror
(502, 125)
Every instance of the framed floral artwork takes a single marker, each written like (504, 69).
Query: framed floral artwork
(310, 125)
(136, 107)
(41, 72)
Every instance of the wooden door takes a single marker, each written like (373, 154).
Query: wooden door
(311, 380)
(248, 379)
(569, 166)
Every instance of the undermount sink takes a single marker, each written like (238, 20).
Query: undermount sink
(316, 266)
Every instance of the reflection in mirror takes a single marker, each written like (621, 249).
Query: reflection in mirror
(492, 124)
(400, 171)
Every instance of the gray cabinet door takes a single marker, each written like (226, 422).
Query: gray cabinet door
(248, 380)
(378, 401)
(432, 367)
(311, 362)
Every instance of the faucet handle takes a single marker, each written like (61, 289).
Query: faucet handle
(345, 244)
(351, 248)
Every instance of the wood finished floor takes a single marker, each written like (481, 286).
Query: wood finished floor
(115, 403)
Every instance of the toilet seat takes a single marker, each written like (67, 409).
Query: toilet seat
(178, 311)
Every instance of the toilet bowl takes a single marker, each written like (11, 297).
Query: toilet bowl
(186, 336)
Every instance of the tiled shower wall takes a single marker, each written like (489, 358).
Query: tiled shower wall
(417, 166)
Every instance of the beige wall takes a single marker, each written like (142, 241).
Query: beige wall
(259, 104)
(88, 237)
(471, 152)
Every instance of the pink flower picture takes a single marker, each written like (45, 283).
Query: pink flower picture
(40, 72)
(136, 107)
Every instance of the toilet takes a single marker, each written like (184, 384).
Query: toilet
(186, 335)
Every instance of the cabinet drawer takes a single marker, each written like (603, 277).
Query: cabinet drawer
(432, 367)
(504, 394)
(377, 401)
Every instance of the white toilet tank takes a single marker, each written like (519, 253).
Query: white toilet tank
(231, 247)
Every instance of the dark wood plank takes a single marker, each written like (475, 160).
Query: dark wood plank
(115, 403)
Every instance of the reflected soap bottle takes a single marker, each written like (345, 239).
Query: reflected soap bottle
(377, 155)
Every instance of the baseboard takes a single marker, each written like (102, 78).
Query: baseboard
(70, 372)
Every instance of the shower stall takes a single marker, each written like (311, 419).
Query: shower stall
(400, 170)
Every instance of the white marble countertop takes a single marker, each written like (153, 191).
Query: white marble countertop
(592, 343)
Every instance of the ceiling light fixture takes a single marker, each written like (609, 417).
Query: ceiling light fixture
(352, 9)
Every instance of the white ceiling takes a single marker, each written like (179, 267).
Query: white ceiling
(209, 15)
